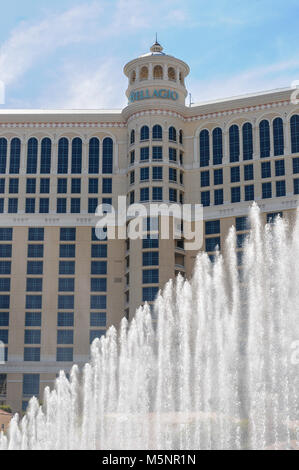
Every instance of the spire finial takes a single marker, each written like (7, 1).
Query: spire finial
(156, 47)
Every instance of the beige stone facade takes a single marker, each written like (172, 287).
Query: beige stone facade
(60, 288)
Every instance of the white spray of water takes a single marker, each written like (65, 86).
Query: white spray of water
(214, 374)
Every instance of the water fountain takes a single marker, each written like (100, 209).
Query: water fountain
(218, 371)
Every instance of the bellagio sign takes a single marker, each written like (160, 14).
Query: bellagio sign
(147, 94)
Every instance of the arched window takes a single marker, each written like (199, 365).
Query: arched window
(76, 155)
(32, 155)
(181, 136)
(171, 74)
(107, 166)
(204, 146)
(217, 146)
(295, 133)
(45, 162)
(132, 137)
(278, 139)
(157, 132)
(247, 141)
(172, 134)
(265, 138)
(143, 75)
(63, 155)
(234, 143)
(3, 155)
(94, 156)
(15, 155)
(158, 72)
(144, 133)
(133, 76)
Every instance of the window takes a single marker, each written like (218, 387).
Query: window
(66, 302)
(68, 234)
(45, 162)
(65, 337)
(248, 172)
(4, 284)
(212, 244)
(272, 217)
(236, 194)
(278, 137)
(264, 139)
(30, 206)
(3, 384)
(234, 143)
(5, 251)
(205, 198)
(242, 223)
(157, 193)
(144, 133)
(217, 146)
(144, 154)
(143, 75)
(76, 186)
(149, 293)
(132, 137)
(266, 169)
(32, 337)
(34, 302)
(218, 197)
(5, 267)
(98, 267)
(30, 384)
(172, 134)
(64, 355)
(4, 336)
(4, 301)
(15, 153)
(44, 185)
(172, 174)
(150, 242)
(266, 190)
(34, 285)
(93, 334)
(157, 132)
(144, 174)
(99, 251)
(157, 173)
(12, 205)
(295, 165)
(205, 178)
(150, 258)
(99, 234)
(5, 234)
(44, 205)
(296, 186)
(67, 251)
(181, 137)
(33, 319)
(66, 284)
(249, 192)
(2, 183)
(66, 267)
(61, 205)
(172, 154)
(295, 133)
(132, 157)
(3, 155)
(36, 234)
(247, 141)
(76, 155)
(98, 319)
(98, 285)
(144, 194)
(65, 319)
(1, 206)
(94, 156)
(75, 205)
(235, 174)
(4, 318)
(218, 177)
(158, 72)
(62, 185)
(93, 186)
(132, 197)
(32, 155)
(212, 227)
(13, 186)
(204, 147)
(98, 302)
(63, 153)
(241, 239)
(279, 168)
(173, 196)
(92, 205)
(280, 188)
(157, 153)
(35, 267)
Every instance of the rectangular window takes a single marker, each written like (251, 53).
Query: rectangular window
(44, 186)
(34, 284)
(67, 234)
(32, 337)
(150, 276)
(98, 319)
(64, 355)
(218, 197)
(4, 318)
(248, 172)
(273, 216)
(2, 185)
(76, 186)
(62, 186)
(34, 302)
(98, 285)
(4, 301)
(66, 267)
(98, 267)
(66, 284)
(61, 205)
(35, 251)
(144, 154)
(157, 193)
(236, 194)
(157, 153)
(75, 205)
(144, 194)
(32, 354)
(266, 190)
(13, 185)
(279, 168)
(144, 174)
(30, 385)
(93, 334)
(5, 267)
(132, 157)
(99, 251)
(172, 175)
(218, 177)
(4, 284)
(93, 186)
(296, 165)
(150, 258)
(5, 234)
(266, 169)
(172, 154)
(242, 223)
(107, 185)
(92, 205)
(132, 177)
(4, 336)
(212, 244)
(44, 205)
(12, 205)
(66, 302)
(98, 302)
(36, 234)
(149, 293)
(65, 319)
(30, 205)
(235, 174)
(65, 337)
(1, 205)
(132, 197)
(212, 227)
(5, 251)
(296, 186)
(280, 188)
(241, 239)
(173, 195)
(205, 179)
(249, 192)
(67, 251)
(31, 186)
(205, 198)
(33, 319)
(157, 173)
(150, 242)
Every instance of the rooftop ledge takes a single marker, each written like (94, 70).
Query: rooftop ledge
(59, 111)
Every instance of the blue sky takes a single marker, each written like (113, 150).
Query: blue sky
(70, 53)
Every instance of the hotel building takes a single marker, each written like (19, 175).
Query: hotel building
(60, 286)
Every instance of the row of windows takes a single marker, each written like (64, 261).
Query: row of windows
(38, 233)
(62, 185)
(157, 195)
(64, 319)
(63, 156)
(157, 174)
(235, 141)
(157, 154)
(157, 74)
(34, 302)
(157, 134)
(61, 205)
